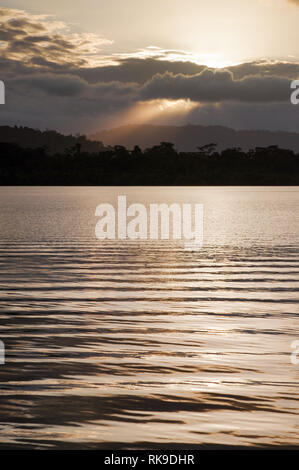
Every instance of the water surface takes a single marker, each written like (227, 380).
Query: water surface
(143, 344)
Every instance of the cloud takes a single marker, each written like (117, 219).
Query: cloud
(137, 70)
(208, 86)
(29, 38)
(59, 79)
(266, 68)
(70, 103)
(216, 86)
(57, 85)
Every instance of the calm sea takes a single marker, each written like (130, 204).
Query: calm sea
(143, 344)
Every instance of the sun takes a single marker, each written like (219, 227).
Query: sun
(215, 61)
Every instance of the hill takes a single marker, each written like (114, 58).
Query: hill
(188, 138)
(52, 141)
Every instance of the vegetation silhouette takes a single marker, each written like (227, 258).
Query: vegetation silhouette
(158, 165)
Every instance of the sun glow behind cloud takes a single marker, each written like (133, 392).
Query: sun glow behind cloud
(216, 34)
(173, 106)
(157, 53)
(151, 112)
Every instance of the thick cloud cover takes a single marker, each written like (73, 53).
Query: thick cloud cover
(217, 86)
(63, 80)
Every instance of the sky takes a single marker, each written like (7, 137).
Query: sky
(88, 65)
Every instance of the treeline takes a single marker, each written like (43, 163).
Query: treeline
(158, 165)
